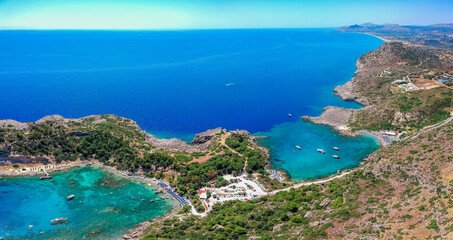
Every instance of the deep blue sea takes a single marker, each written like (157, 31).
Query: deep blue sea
(178, 83)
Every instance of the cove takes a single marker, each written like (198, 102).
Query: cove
(178, 83)
(308, 163)
(104, 207)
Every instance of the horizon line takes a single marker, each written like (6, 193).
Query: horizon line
(154, 29)
(190, 29)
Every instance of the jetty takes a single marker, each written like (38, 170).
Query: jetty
(180, 199)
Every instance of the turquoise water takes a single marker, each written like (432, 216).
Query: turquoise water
(105, 205)
(308, 163)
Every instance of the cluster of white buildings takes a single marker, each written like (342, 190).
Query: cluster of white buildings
(406, 85)
(240, 188)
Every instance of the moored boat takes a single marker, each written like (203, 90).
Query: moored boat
(321, 151)
(58, 221)
(45, 177)
(70, 197)
(289, 115)
(336, 148)
(298, 147)
(335, 156)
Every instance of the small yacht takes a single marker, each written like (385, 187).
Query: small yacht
(336, 148)
(70, 197)
(45, 177)
(298, 147)
(321, 151)
(289, 115)
(58, 221)
(335, 156)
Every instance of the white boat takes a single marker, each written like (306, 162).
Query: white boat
(336, 148)
(321, 151)
(335, 156)
(70, 197)
(298, 147)
(57, 221)
(289, 115)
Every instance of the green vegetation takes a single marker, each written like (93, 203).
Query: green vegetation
(433, 225)
(283, 211)
(256, 160)
(117, 142)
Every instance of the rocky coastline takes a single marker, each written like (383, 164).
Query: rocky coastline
(339, 118)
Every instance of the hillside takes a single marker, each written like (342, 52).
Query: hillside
(120, 143)
(404, 191)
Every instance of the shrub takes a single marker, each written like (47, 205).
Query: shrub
(296, 219)
(433, 225)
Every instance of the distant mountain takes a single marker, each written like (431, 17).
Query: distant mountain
(442, 25)
(436, 35)
(368, 24)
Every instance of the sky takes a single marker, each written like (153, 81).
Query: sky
(217, 14)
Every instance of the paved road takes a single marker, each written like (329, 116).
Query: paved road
(432, 127)
(314, 182)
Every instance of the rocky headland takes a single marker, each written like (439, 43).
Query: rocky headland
(372, 87)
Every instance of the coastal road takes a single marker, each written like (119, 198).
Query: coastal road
(432, 127)
(313, 182)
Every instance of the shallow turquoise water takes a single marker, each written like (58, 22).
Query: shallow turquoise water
(308, 163)
(97, 212)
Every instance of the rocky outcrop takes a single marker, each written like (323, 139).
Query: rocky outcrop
(346, 93)
(52, 118)
(336, 117)
(325, 202)
(14, 125)
(308, 215)
(61, 121)
(199, 144)
(204, 137)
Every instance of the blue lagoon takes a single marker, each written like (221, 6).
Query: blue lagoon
(104, 207)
